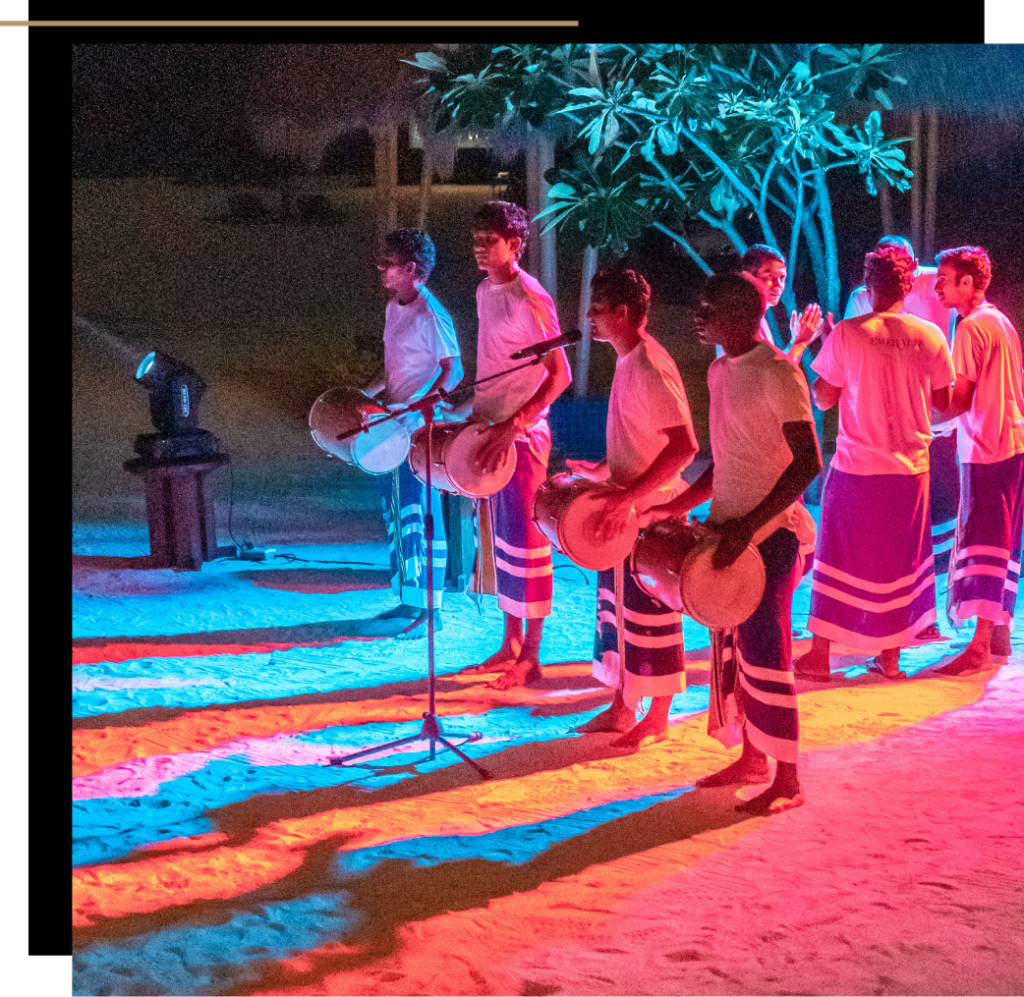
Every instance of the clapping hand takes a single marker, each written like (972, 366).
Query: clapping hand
(807, 326)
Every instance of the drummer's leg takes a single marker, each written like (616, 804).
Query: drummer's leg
(390, 488)
(770, 704)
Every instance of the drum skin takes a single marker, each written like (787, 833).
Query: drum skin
(566, 511)
(377, 450)
(454, 448)
(672, 562)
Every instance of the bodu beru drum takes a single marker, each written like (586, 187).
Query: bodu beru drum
(380, 448)
(672, 562)
(566, 512)
(455, 448)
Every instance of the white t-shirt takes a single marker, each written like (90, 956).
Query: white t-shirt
(417, 336)
(647, 398)
(512, 316)
(922, 301)
(986, 350)
(752, 396)
(888, 364)
(763, 335)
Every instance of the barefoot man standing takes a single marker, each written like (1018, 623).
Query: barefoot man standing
(989, 401)
(514, 312)
(764, 454)
(650, 440)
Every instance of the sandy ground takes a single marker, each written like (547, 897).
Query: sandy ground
(217, 851)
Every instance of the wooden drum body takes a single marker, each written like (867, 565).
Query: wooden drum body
(377, 450)
(455, 449)
(672, 562)
(566, 511)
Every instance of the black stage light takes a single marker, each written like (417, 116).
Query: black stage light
(174, 462)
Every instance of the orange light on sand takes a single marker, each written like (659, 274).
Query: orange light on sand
(201, 730)
(572, 779)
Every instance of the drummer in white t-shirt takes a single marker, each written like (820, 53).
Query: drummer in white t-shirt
(421, 353)
(765, 454)
(650, 440)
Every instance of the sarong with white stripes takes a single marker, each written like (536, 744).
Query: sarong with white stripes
(987, 551)
(874, 580)
(403, 500)
(752, 686)
(653, 641)
(522, 554)
(944, 497)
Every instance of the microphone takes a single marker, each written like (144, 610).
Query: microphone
(539, 349)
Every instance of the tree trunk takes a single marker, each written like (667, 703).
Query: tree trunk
(540, 250)
(931, 175)
(583, 350)
(915, 188)
(885, 204)
(426, 185)
(828, 236)
(385, 163)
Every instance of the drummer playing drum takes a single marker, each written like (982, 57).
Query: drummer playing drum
(650, 440)
(514, 312)
(764, 454)
(421, 353)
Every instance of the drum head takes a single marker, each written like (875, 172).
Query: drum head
(338, 411)
(576, 532)
(460, 460)
(721, 599)
(381, 448)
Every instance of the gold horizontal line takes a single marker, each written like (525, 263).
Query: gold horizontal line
(287, 24)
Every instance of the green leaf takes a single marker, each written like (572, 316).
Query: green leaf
(429, 61)
(561, 190)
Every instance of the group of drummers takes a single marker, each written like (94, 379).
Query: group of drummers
(889, 367)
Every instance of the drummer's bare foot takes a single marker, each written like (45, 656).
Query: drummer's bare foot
(999, 644)
(650, 730)
(523, 672)
(400, 612)
(506, 657)
(783, 794)
(749, 769)
(814, 665)
(417, 630)
(617, 719)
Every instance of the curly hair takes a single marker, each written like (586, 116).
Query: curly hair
(615, 286)
(889, 269)
(507, 219)
(968, 261)
(412, 245)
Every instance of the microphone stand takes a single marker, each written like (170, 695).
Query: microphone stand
(431, 729)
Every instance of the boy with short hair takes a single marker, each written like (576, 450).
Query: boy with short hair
(514, 312)
(764, 454)
(421, 353)
(650, 440)
(988, 401)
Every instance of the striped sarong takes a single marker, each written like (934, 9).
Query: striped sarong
(403, 500)
(944, 497)
(873, 585)
(752, 686)
(522, 554)
(652, 641)
(988, 542)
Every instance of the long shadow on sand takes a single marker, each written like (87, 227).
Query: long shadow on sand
(375, 902)
(418, 687)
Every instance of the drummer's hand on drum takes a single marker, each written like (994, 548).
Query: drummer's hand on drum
(736, 534)
(495, 445)
(613, 519)
(589, 469)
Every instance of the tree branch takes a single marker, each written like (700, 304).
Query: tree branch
(681, 239)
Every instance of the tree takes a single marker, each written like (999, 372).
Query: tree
(673, 136)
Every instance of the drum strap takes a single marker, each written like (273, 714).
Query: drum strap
(620, 621)
(485, 579)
